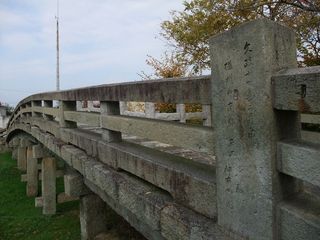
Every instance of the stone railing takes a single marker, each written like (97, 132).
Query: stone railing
(251, 175)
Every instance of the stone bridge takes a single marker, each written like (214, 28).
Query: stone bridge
(252, 174)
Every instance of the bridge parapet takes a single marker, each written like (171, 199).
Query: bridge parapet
(249, 174)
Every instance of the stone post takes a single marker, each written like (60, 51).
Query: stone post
(181, 109)
(36, 104)
(15, 144)
(92, 216)
(22, 154)
(123, 107)
(246, 127)
(150, 110)
(29, 106)
(48, 104)
(206, 111)
(67, 106)
(48, 173)
(32, 173)
(110, 108)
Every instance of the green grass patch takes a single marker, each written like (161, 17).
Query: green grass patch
(19, 219)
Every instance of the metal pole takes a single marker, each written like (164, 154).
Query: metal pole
(58, 67)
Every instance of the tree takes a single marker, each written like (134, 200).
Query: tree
(168, 66)
(188, 31)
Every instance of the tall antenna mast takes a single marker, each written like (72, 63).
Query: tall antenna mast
(58, 67)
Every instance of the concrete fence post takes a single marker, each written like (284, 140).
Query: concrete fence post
(15, 143)
(93, 213)
(67, 106)
(22, 154)
(246, 127)
(150, 109)
(48, 104)
(110, 108)
(29, 105)
(36, 104)
(123, 107)
(32, 173)
(48, 174)
(181, 109)
(206, 111)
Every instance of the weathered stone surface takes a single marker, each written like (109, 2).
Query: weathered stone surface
(191, 184)
(92, 216)
(15, 154)
(63, 197)
(38, 202)
(83, 139)
(23, 177)
(66, 106)
(301, 160)
(22, 158)
(193, 137)
(178, 223)
(107, 155)
(88, 118)
(299, 219)
(59, 174)
(246, 127)
(135, 221)
(297, 89)
(311, 136)
(49, 185)
(16, 142)
(74, 185)
(38, 151)
(173, 90)
(32, 174)
(109, 109)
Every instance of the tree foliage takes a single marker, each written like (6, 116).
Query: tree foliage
(168, 66)
(188, 31)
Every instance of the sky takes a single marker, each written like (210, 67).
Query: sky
(101, 41)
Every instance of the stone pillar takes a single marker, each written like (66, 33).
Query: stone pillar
(15, 145)
(110, 108)
(73, 183)
(206, 111)
(150, 110)
(35, 104)
(22, 154)
(123, 107)
(48, 104)
(246, 127)
(181, 109)
(92, 216)
(32, 173)
(67, 106)
(48, 173)
(29, 106)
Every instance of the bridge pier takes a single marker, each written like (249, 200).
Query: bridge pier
(32, 173)
(22, 154)
(74, 185)
(93, 213)
(15, 146)
(49, 185)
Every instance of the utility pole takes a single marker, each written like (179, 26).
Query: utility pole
(58, 67)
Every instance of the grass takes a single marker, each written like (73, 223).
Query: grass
(19, 219)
